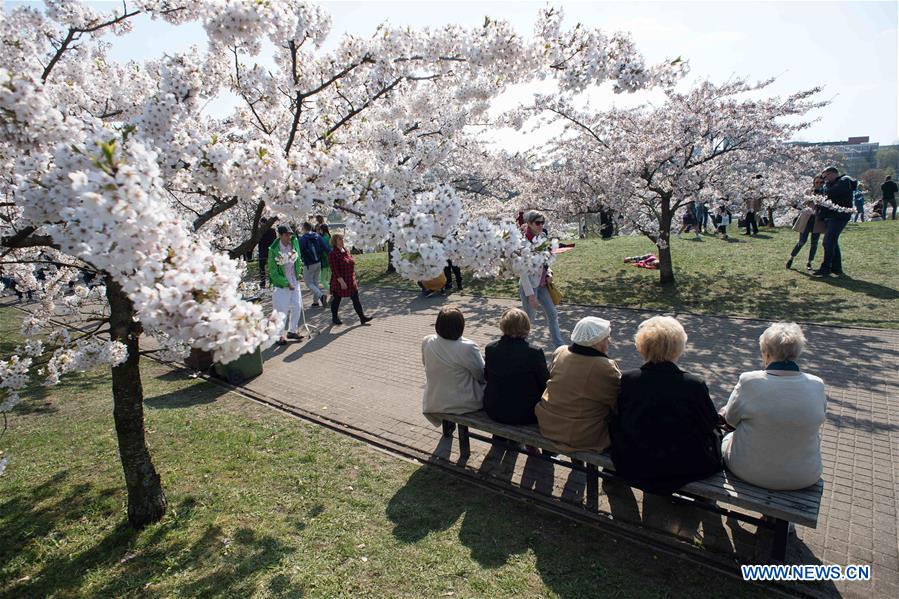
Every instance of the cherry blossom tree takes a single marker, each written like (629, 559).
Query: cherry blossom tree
(648, 162)
(119, 192)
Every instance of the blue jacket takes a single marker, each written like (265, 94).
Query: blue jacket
(312, 248)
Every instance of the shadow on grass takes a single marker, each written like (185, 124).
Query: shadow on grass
(194, 395)
(209, 562)
(573, 560)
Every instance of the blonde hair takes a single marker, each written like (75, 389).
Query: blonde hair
(660, 339)
(515, 323)
(782, 341)
(336, 237)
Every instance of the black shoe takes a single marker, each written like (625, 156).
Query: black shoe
(365, 319)
(336, 321)
(820, 273)
(294, 336)
(808, 266)
(838, 273)
(789, 264)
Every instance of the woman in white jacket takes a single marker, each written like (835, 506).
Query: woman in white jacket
(532, 287)
(454, 369)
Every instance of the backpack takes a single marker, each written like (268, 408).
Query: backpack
(309, 248)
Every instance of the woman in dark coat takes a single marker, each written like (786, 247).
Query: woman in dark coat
(516, 372)
(665, 433)
(343, 280)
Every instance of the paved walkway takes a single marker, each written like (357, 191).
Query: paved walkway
(370, 378)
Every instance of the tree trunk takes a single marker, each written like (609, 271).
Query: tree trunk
(770, 217)
(146, 499)
(390, 267)
(666, 268)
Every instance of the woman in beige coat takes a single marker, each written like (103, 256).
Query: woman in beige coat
(807, 225)
(582, 390)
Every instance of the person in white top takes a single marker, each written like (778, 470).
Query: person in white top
(532, 287)
(777, 415)
(283, 257)
(454, 369)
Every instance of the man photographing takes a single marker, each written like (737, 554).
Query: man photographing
(835, 211)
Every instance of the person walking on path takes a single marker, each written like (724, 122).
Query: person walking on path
(284, 272)
(312, 249)
(835, 213)
(325, 232)
(265, 242)
(753, 206)
(807, 225)
(889, 189)
(343, 280)
(532, 286)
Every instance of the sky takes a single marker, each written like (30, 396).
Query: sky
(848, 48)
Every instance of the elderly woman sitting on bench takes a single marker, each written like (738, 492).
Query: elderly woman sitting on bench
(454, 368)
(665, 433)
(581, 391)
(777, 415)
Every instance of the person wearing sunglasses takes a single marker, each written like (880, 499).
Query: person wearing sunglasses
(532, 286)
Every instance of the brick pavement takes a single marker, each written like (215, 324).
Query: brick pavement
(371, 377)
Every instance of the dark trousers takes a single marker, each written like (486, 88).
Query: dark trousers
(833, 260)
(751, 223)
(450, 270)
(889, 201)
(357, 305)
(263, 279)
(803, 237)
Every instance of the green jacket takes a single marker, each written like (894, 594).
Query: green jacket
(276, 271)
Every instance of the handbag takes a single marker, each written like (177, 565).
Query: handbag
(554, 293)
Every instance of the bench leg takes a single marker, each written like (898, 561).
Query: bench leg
(448, 428)
(781, 534)
(592, 488)
(464, 442)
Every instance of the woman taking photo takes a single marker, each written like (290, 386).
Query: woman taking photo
(343, 279)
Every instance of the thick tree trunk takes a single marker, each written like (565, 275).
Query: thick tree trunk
(666, 268)
(146, 499)
(390, 267)
(771, 217)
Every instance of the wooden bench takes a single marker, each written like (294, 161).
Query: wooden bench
(780, 507)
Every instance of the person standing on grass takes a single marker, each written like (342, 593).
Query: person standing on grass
(807, 225)
(838, 191)
(284, 273)
(265, 242)
(722, 220)
(889, 189)
(753, 206)
(532, 286)
(858, 198)
(312, 249)
(343, 280)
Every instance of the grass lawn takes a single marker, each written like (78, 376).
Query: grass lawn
(742, 277)
(263, 505)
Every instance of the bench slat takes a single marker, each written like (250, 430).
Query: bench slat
(801, 507)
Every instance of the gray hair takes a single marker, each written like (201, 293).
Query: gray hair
(782, 341)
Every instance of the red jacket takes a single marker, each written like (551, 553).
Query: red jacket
(343, 266)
